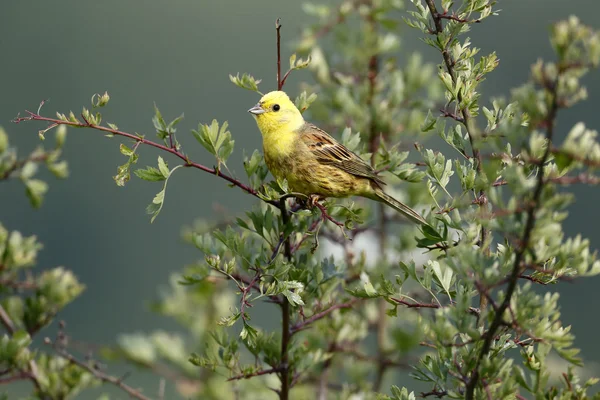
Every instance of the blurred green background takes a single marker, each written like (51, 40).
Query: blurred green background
(178, 54)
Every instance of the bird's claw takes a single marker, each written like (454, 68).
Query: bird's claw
(313, 200)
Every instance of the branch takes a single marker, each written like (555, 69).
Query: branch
(284, 368)
(440, 394)
(467, 120)
(285, 312)
(304, 324)
(525, 241)
(256, 373)
(138, 139)
(102, 376)
(278, 28)
(245, 290)
(21, 376)
(13, 284)
(21, 163)
(586, 179)
(454, 17)
(6, 321)
(325, 215)
(58, 346)
(472, 310)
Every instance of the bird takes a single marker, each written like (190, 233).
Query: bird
(313, 162)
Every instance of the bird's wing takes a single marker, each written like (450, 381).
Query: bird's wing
(329, 151)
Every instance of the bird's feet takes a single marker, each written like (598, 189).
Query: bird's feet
(313, 201)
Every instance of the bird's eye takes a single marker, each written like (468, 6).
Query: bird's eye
(276, 107)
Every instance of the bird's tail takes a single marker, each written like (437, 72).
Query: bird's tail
(411, 214)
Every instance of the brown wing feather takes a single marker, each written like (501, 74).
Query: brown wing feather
(329, 151)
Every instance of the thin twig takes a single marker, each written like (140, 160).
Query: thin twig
(255, 373)
(328, 217)
(21, 376)
(6, 321)
(304, 324)
(101, 375)
(472, 310)
(278, 28)
(21, 163)
(18, 285)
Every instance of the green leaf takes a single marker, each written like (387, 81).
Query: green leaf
(125, 150)
(443, 277)
(35, 190)
(303, 101)
(163, 167)
(28, 170)
(59, 169)
(429, 122)
(299, 63)
(159, 200)
(60, 136)
(249, 335)
(292, 290)
(123, 170)
(159, 123)
(246, 81)
(150, 174)
(229, 320)
(439, 169)
(216, 139)
(138, 348)
(366, 291)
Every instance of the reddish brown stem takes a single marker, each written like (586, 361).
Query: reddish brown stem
(188, 163)
(256, 373)
(278, 28)
(304, 324)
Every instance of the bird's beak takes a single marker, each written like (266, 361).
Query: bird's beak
(256, 110)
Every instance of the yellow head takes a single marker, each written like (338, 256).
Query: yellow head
(275, 113)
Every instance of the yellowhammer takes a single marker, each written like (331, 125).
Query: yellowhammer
(312, 162)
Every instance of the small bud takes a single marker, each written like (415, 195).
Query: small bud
(100, 100)
(103, 100)
(72, 117)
